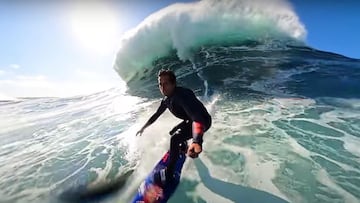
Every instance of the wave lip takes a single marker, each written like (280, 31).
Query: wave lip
(185, 27)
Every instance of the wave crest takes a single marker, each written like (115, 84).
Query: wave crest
(184, 27)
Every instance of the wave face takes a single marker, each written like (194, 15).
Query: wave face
(248, 69)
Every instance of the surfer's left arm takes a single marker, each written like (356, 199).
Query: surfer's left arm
(153, 118)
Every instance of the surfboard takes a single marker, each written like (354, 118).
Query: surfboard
(149, 192)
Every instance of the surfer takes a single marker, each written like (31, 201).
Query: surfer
(183, 104)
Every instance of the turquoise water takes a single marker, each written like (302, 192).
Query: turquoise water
(299, 150)
(286, 117)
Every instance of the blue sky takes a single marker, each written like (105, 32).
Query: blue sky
(42, 53)
(332, 25)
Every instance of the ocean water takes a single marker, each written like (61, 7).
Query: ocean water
(286, 117)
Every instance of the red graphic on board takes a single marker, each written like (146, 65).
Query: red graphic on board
(165, 158)
(153, 194)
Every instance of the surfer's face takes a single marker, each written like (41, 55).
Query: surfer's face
(165, 85)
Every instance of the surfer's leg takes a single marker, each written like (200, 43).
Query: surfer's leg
(180, 136)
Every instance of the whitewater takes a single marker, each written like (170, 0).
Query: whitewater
(286, 117)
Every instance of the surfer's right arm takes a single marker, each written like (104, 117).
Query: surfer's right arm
(153, 118)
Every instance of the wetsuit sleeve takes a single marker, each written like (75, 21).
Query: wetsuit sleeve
(156, 115)
(188, 103)
(198, 132)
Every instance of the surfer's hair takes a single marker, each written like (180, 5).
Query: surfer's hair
(169, 73)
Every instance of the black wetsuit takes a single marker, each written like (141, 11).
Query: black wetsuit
(184, 105)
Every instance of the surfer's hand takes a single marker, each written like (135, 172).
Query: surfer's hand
(194, 150)
(139, 133)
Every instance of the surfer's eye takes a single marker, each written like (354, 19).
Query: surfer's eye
(163, 84)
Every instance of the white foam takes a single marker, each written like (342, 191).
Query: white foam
(258, 174)
(351, 144)
(102, 172)
(324, 178)
(297, 148)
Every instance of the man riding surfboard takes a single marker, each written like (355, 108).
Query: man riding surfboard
(183, 104)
